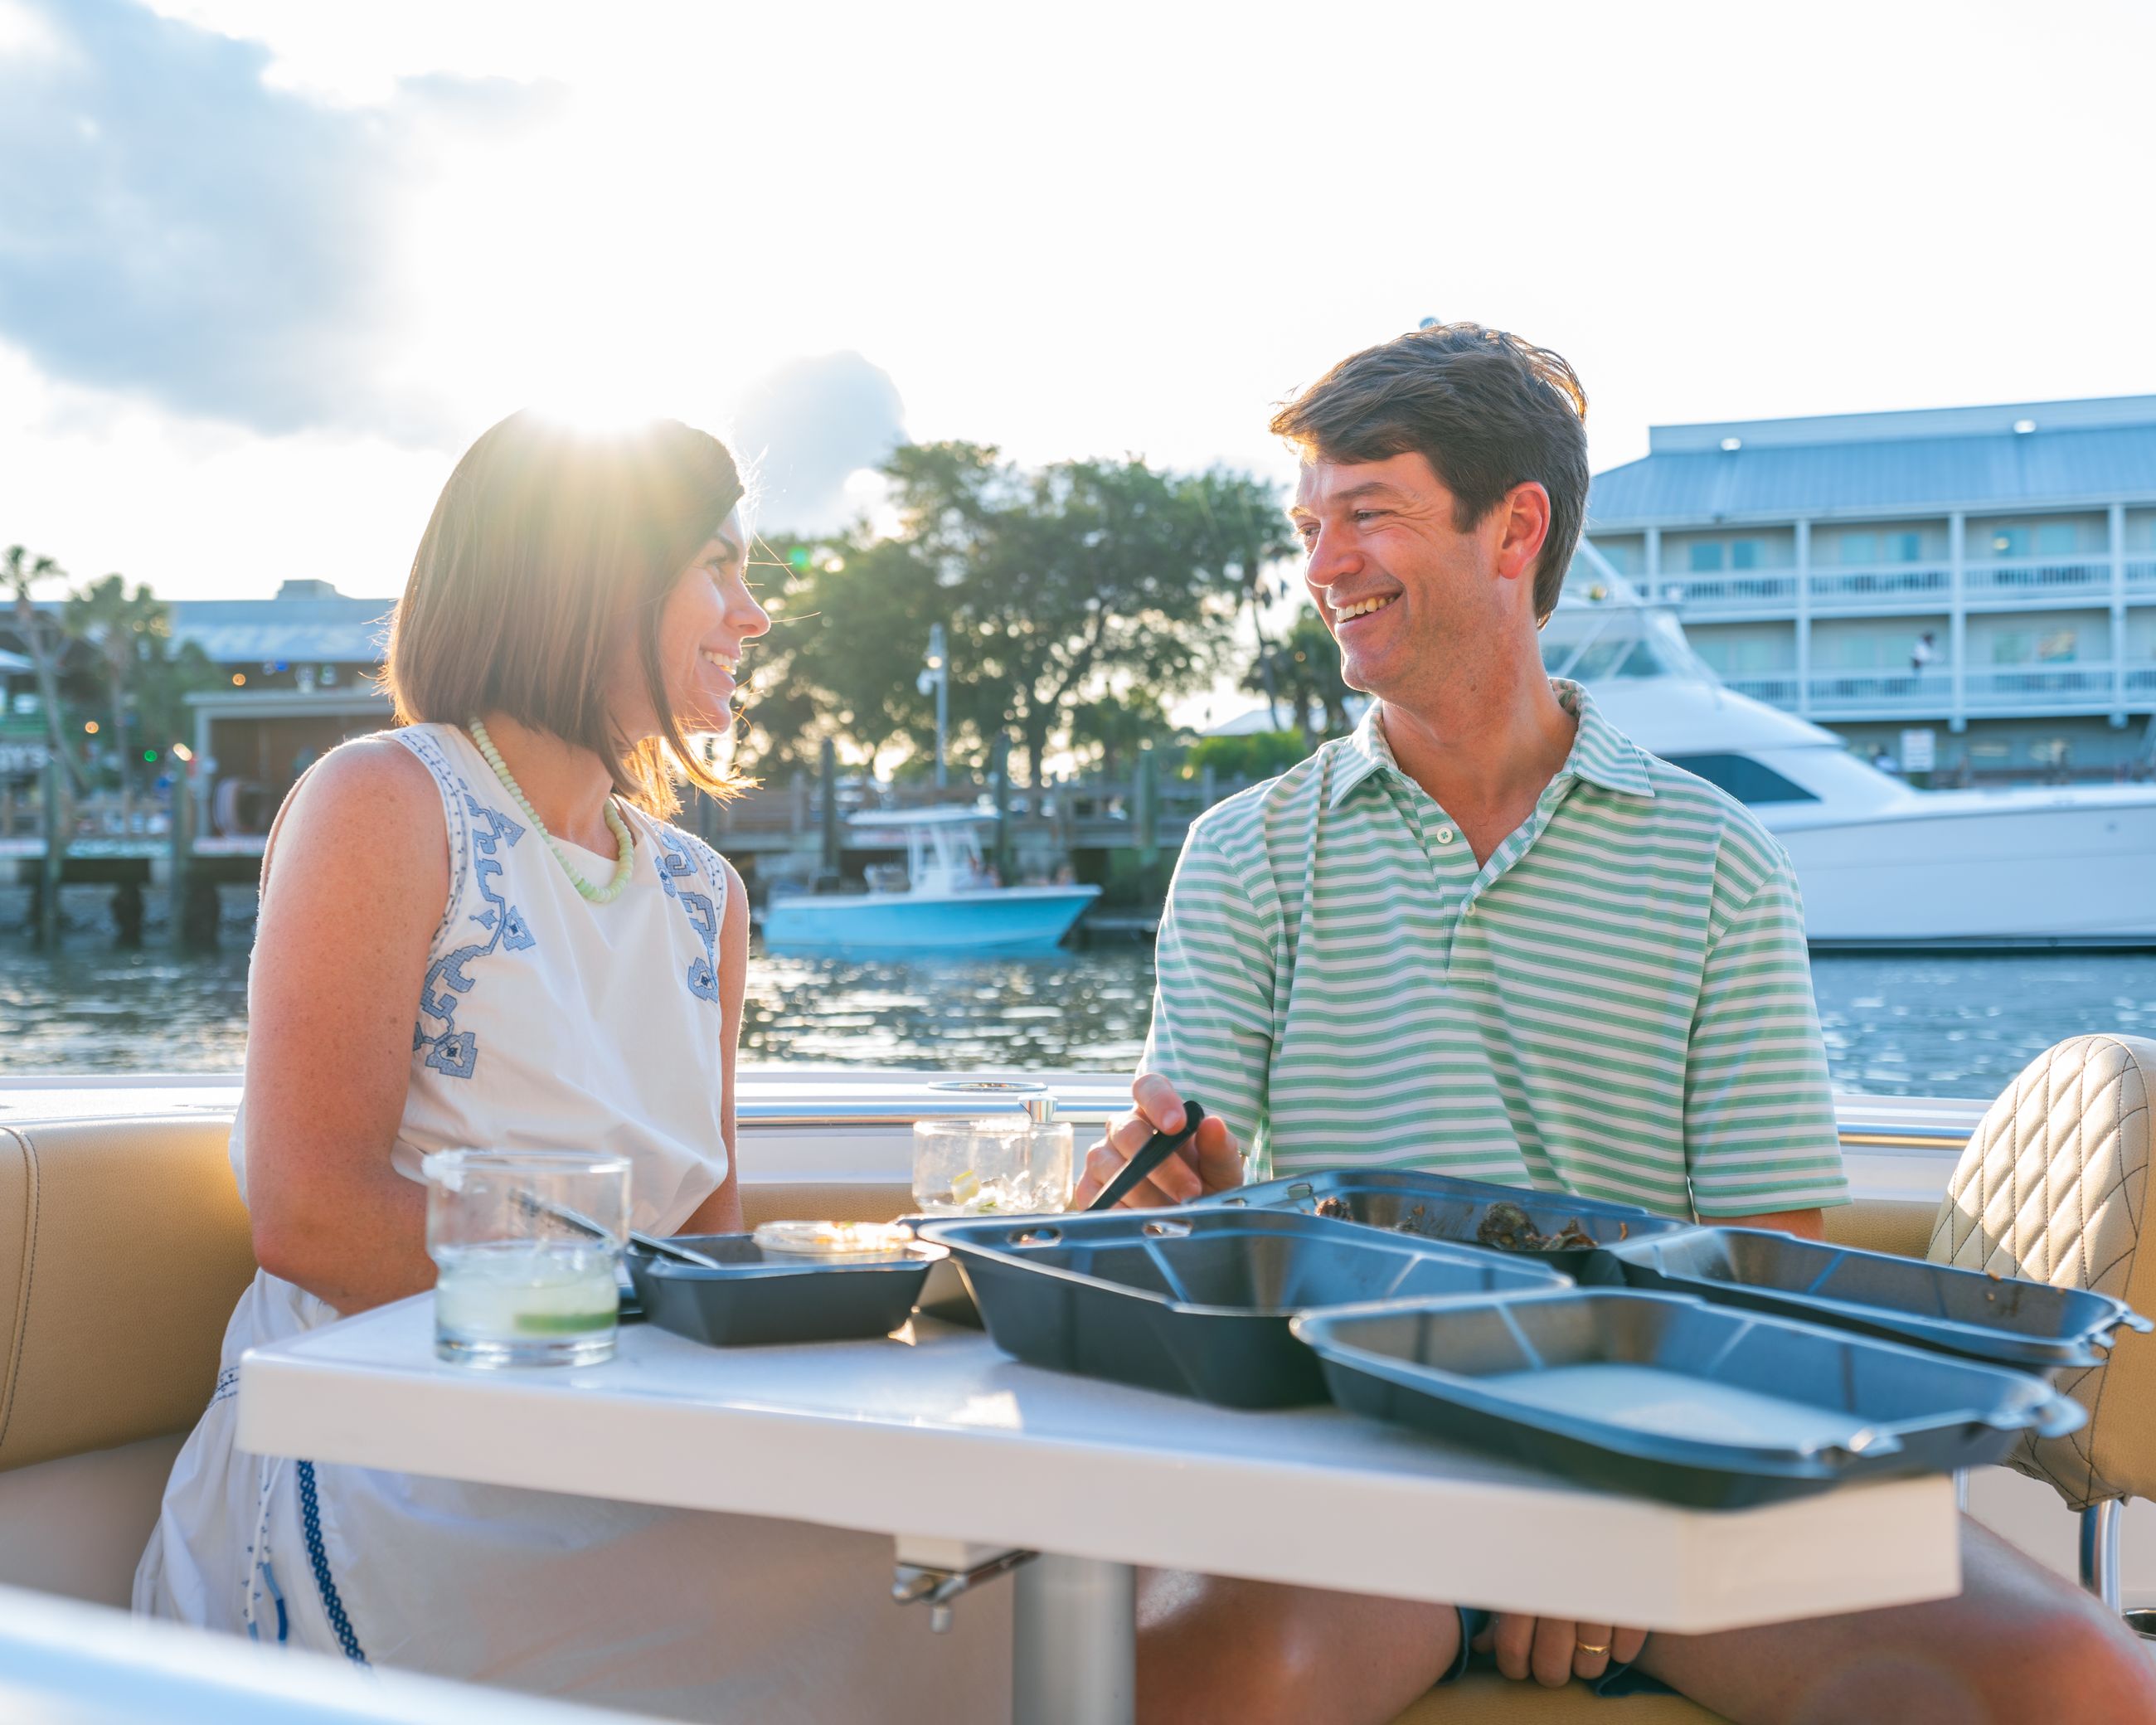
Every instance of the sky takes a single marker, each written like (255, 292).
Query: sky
(266, 269)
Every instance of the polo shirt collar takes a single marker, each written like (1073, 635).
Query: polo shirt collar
(1601, 754)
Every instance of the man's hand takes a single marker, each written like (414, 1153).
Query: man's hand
(1212, 1162)
(1552, 1651)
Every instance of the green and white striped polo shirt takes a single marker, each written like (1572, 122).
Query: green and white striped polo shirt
(1618, 1004)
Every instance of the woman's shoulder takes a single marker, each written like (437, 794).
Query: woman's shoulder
(372, 795)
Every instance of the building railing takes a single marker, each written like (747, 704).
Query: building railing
(1904, 587)
(1705, 594)
(2025, 577)
(2002, 691)
(1889, 586)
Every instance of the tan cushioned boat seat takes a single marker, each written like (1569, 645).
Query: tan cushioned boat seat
(824, 1200)
(2054, 1186)
(1882, 1225)
(123, 1247)
(1483, 1697)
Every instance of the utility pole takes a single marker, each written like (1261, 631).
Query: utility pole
(937, 676)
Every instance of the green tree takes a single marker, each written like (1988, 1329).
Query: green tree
(1107, 733)
(1248, 755)
(1063, 581)
(127, 629)
(1301, 672)
(46, 643)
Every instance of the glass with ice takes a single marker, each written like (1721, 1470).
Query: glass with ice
(1006, 1165)
(524, 1245)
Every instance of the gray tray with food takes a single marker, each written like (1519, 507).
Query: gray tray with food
(2002, 1319)
(1566, 1232)
(1670, 1397)
(750, 1295)
(1197, 1302)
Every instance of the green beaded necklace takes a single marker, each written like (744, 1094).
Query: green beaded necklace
(605, 895)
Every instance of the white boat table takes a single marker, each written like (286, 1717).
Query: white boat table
(935, 1437)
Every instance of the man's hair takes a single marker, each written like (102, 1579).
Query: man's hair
(1486, 410)
(548, 551)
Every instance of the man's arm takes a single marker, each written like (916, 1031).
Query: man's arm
(1761, 1143)
(1211, 1039)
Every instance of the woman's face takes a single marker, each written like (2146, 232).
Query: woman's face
(708, 616)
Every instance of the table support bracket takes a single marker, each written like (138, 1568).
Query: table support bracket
(941, 1586)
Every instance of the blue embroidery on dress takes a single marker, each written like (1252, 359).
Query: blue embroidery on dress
(450, 1051)
(676, 865)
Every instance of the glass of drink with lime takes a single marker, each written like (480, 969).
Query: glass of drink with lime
(524, 1245)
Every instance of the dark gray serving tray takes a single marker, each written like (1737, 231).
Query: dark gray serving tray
(1444, 1207)
(1669, 1397)
(1197, 1302)
(757, 1297)
(2003, 1319)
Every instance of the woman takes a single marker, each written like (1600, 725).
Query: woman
(477, 930)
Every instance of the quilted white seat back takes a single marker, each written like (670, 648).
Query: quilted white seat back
(2054, 1187)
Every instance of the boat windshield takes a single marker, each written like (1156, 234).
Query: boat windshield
(1602, 630)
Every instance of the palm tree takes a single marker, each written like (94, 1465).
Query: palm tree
(123, 626)
(45, 643)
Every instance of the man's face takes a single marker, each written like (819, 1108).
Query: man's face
(1402, 589)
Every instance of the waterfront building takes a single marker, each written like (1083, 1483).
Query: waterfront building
(295, 679)
(1978, 583)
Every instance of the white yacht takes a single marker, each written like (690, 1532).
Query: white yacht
(1880, 863)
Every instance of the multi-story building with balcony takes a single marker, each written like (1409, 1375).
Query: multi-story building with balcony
(1987, 574)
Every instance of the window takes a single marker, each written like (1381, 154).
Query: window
(1905, 547)
(2054, 539)
(1744, 778)
(1706, 557)
(2009, 543)
(1744, 554)
(2059, 647)
(1860, 547)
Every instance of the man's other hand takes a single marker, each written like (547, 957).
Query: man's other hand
(1213, 1162)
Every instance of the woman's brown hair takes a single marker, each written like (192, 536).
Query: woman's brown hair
(548, 550)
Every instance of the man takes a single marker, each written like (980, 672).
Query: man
(1489, 936)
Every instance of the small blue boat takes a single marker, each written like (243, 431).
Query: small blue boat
(944, 901)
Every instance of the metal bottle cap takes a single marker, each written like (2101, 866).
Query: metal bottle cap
(1040, 1110)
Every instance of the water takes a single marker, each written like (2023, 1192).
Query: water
(1895, 1025)
(525, 1303)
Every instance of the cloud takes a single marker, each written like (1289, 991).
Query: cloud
(173, 227)
(810, 425)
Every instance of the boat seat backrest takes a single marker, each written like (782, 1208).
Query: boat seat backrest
(123, 1247)
(2054, 1187)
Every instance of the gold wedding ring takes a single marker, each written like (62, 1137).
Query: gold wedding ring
(1584, 1648)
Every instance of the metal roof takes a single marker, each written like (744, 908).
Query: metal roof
(292, 631)
(2047, 454)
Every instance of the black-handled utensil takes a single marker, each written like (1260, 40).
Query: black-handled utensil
(1156, 1150)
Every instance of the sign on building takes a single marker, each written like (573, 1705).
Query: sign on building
(1919, 751)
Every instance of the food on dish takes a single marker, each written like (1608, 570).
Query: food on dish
(1506, 1225)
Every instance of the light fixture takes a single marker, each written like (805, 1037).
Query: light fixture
(181, 752)
(1731, 445)
(89, 727)
(2022, 427)
(240, 679)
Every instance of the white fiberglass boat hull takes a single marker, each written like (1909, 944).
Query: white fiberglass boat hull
(1996, 869)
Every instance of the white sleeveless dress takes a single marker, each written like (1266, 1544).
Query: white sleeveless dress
(546, 1021)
